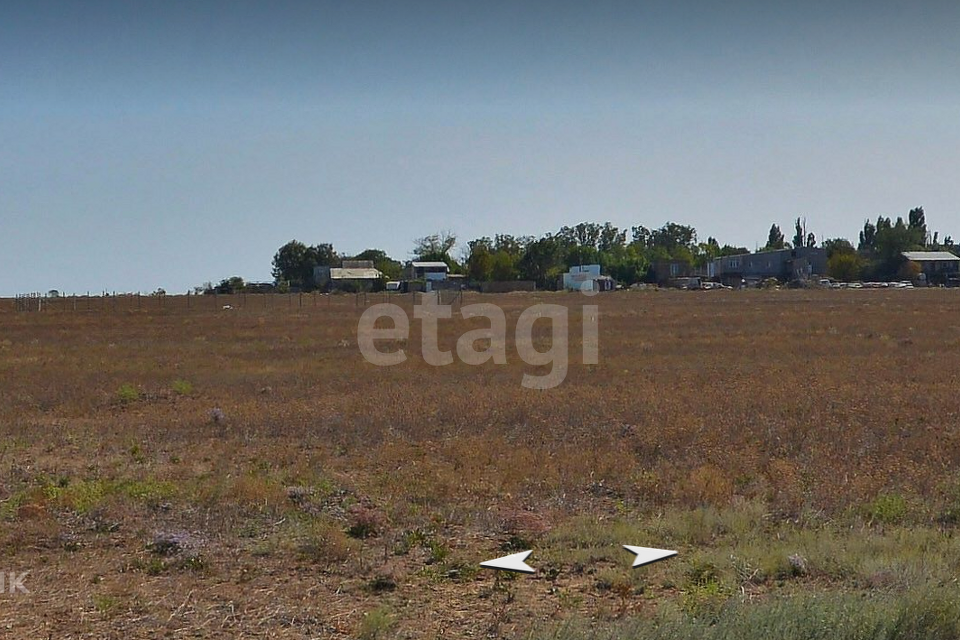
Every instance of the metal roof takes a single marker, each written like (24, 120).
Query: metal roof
(430, 265)
(930, 256)
(354, 274)
(357, 264)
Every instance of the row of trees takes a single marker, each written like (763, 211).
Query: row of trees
(878, 253)
(776, 240)
(628, 255)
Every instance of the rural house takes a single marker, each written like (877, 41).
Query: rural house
(936, 267)
(427, 270)
(351, 275)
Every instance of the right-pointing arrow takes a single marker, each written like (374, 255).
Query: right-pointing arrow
(646, 555)
(513, 562)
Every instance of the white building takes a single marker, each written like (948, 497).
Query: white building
(586, 277)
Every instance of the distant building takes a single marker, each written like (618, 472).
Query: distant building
(259, 287)
(426, 270)
(785, 265)
(352, 275)
(665, 272)
(936, 267)
(587, 277)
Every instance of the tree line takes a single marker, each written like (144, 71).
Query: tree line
(628, 255)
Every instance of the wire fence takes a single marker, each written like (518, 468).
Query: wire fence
(255, 302)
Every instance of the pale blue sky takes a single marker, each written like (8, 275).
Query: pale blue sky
(162, 144)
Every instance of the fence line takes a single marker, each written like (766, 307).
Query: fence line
(110, 303)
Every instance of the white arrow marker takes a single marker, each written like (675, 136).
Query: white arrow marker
(645, 555)
(513, 562)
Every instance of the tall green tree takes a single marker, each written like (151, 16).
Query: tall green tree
(798, 238)
(234, 284)
(503, 266)
(584, 234)
(775, 240)
(837, 245)
(868, 238)
(891, 241)
(479, 260)
(611, 238)
(510, 244)
(294, 263)
(917, 221)
(673, 237)
(580, 254)
(641, 236)
(626, 264)
(543, 261)
(845, 266)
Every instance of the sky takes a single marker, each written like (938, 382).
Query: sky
(170, 143)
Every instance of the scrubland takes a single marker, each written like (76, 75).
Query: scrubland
(244, 473)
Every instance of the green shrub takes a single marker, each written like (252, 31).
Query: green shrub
(182, 387)
(887, 508)
(127, 393)
(105, 604)
(376, 624)
(83, 496)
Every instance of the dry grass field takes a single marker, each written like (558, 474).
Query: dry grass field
(244, 473)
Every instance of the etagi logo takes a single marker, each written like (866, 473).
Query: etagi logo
(13, 582)
(431, 312)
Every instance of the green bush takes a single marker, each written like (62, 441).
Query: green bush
(887, 508)
(182, 387)
(378, 623)
(128, 393)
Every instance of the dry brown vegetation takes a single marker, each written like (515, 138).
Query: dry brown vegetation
(228, 473)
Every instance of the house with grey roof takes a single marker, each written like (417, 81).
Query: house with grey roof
(936, 267)
(801, 263)
(351, 275)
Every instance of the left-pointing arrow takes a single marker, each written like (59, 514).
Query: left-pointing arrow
(513, 562)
